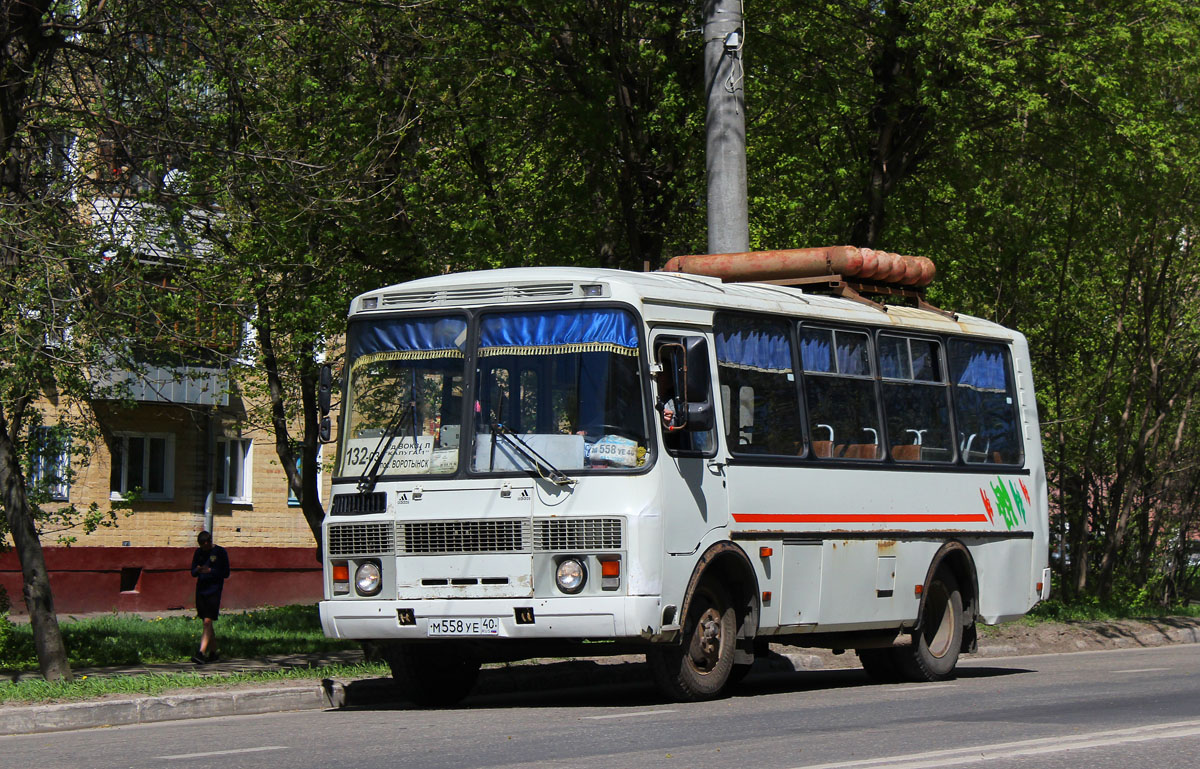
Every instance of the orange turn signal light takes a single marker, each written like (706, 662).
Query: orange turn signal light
(765, 552)
(610, 568)
(341, 572)
(918, 589)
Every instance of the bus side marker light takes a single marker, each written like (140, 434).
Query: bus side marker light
(918, 589)
(765, 552)
(1039, 588)
(766, 597)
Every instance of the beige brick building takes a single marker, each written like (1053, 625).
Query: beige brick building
(160, 462)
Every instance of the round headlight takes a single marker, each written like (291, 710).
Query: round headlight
(570, 575)
(368, 579)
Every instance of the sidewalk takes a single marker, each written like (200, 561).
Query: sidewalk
(535, 675)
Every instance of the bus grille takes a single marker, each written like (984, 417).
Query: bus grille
(578, 534)
(358, 504)
(424, 537)
(477, 294)
(360, 539)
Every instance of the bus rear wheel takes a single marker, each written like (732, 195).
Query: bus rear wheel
(701, 666)
(938, 640)
(435, 674)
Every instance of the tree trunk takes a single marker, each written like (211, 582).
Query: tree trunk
(35, 580)
(302, 481)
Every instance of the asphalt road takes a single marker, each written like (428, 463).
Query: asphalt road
(1127, 709)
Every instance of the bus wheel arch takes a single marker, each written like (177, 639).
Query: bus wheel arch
(956, 559)
(945, 612)
(718, 622)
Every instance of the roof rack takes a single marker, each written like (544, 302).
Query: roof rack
(846, 271)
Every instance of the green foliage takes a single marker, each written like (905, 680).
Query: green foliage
(6, 635)
(130, 640)
(1092, 608)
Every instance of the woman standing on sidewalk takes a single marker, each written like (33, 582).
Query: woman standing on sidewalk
(210, 567)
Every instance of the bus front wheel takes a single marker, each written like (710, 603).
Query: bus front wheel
(700, 667)
(433, 674)
(937, 642)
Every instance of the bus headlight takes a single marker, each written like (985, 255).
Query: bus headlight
(570, 575)
(368, 579)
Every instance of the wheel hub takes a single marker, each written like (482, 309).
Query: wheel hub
(706, 649)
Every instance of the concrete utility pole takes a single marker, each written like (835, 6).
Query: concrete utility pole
(725, 124)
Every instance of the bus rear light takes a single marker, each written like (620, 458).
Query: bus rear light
(610, 574)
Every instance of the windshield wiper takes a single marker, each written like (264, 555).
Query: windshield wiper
(366, 481)
(543, 467)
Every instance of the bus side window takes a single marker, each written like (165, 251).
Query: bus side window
(916, 401)
(754, 362)
(985, 403)
(840, 389)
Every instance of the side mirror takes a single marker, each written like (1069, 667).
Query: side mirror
(685, 363)
(324, 403)
(325, 390)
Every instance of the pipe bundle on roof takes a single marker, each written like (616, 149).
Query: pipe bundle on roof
(849, 262)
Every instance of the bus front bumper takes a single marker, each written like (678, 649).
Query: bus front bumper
(577, 617)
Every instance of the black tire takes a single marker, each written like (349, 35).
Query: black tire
(762, 650)
(937, 641)
(699, 668)
(881, 665)
(434, 674)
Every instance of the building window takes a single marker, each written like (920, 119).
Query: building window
(144, 464)
(233, 470)
(50, 468)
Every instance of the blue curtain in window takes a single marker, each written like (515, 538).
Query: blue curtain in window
(758, 347)
(852, 355)
(567, 331)
(407, 339)
(979, 366)
(815, 346)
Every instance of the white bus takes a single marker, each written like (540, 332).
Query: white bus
(835, 475)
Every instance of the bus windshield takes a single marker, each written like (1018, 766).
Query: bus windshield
(563, 387)
(404, 397)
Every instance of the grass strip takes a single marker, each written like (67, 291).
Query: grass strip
(124, 639)
(1096, 611)
(87, 687)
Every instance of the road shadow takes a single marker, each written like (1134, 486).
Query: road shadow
(585, 683)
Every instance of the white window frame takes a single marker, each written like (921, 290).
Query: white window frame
(239, 453)
(168, 492)
(54, 471)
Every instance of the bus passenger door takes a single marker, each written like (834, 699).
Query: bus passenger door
(691, 461)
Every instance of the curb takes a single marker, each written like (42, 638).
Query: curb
(171, 707)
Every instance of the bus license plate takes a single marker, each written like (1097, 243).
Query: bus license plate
(459, 626)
